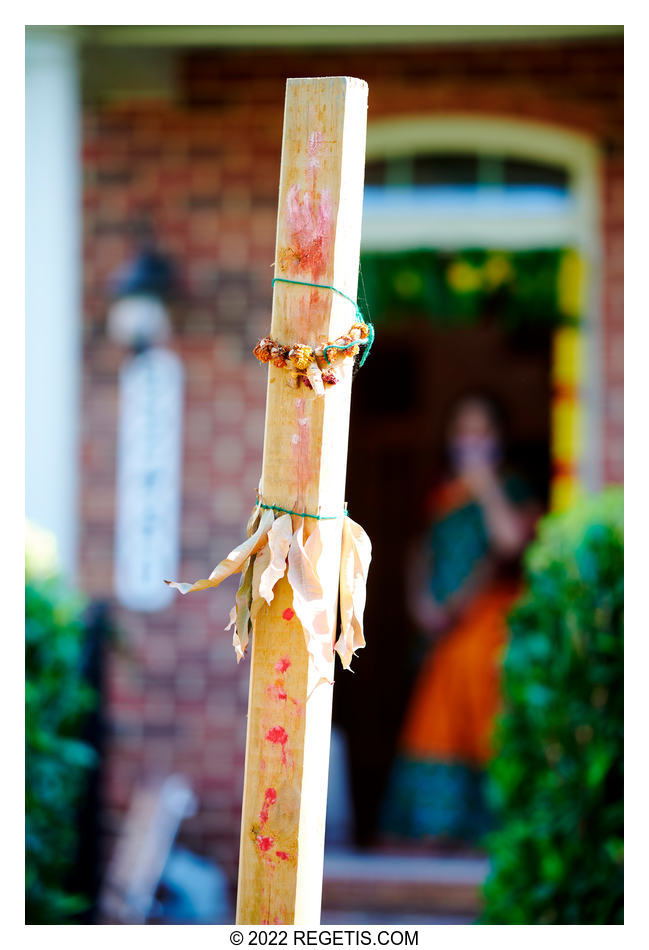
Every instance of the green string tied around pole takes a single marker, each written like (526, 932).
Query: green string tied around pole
(302, 514)
(367, 343)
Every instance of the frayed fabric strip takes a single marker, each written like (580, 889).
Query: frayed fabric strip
(274, 550)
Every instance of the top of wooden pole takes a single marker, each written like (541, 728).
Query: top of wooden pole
(318, 240)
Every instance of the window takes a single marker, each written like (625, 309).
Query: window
(461, 169)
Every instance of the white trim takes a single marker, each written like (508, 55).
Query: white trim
(579, 227)
(410, 220)
(338, 35)
(52, 292)
(465, 131)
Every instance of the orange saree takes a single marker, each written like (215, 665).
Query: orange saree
(437, 785)
(458, 693)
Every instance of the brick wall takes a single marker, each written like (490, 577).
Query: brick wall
(202, 169)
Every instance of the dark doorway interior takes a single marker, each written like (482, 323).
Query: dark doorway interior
(401, 401)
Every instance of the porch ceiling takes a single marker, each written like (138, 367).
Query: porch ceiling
(328, 35)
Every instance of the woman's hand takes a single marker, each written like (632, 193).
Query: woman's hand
(480, 479)
(508, 530)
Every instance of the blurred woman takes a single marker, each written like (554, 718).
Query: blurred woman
(462, 582)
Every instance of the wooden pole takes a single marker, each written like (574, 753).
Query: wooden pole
(305, 457)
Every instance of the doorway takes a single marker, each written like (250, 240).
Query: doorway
(395, 456)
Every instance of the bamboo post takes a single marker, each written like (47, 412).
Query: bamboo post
(304, 465)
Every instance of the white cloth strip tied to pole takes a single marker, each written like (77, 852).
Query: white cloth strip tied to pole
(274, 548)
(302, 555)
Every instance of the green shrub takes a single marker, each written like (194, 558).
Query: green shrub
(57, 761)
(556, 780)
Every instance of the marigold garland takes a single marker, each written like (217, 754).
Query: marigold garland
(313, 364)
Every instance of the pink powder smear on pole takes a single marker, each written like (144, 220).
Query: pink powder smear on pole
(310, 221)
(300, 442)
(279, 736)
(277, 691)
(269, 799)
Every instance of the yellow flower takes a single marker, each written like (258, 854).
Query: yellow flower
(497, 270)
(463, 277)
(301, 355)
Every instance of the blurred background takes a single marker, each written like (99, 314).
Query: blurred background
(491, 264)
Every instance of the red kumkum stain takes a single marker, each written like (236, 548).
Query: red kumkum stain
(282, 855)
(288, 614)
(269, 799)
(282, 665)
(277, 734)
(264, 843)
